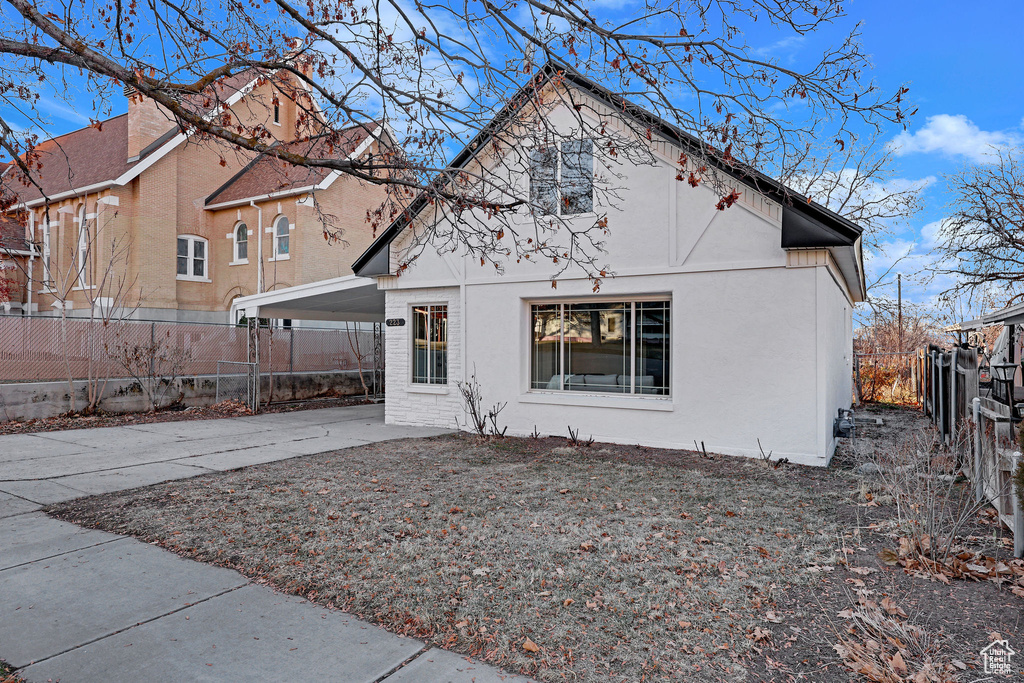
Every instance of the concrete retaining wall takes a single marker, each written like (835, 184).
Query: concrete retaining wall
(33, 400)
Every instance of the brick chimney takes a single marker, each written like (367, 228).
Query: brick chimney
(147, 121)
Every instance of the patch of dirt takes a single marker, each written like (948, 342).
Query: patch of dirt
(175, 414)
(607, 562)
(958, 619)
(619, 563)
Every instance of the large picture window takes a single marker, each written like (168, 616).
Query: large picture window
(562, 179)
(619, 347)
(430, 344)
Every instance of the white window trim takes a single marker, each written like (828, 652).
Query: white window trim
(233, 236)
(274, 237)
(424, 387)
(82, 250)
(47, 253)
(191, 240)
(595, 398)
(527, 215)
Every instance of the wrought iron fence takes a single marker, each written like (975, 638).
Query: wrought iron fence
(38, 349)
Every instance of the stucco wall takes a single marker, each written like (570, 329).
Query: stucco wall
(743, 364)
(758, 339)
(835, 349)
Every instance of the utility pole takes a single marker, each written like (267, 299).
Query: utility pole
(899, 306)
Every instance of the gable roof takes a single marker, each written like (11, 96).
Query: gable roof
(75, 160)
(12, 236)
(805, 224)
(95, 157)
(267, 175)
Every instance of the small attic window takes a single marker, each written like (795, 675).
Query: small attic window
(562, 179)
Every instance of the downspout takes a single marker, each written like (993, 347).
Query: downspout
(31, 261)
(259, 248)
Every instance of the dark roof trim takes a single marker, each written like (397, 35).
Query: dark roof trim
(803, 231)
(809, 222)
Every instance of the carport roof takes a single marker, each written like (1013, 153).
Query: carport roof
(1011, 315)
(350, 298)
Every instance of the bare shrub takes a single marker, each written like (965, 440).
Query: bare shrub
(575, 441)
(484, 422)
(766, 458)
(879, 641)
(933, 500)
(154, 365)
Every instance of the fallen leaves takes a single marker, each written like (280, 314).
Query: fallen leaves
(916, 556)
(880, 644)
(530, 646)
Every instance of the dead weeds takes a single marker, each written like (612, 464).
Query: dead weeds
(229, 408)
(599, 563)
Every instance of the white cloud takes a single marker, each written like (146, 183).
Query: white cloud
(954, 135)
(930, 235)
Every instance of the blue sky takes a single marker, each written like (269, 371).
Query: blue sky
(960, 61)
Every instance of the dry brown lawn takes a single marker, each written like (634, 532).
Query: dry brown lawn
(619, 563)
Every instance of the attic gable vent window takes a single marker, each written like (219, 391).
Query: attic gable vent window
(562, 179)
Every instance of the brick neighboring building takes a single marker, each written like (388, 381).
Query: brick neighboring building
(183, 216)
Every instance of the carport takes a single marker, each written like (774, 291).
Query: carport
(342, 299)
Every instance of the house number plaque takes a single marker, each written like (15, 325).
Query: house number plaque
(395, 322)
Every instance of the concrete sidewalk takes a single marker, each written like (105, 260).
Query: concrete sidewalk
(85, 605)
(50, 467)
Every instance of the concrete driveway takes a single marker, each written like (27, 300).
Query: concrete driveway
(51, 467)
(84, 605)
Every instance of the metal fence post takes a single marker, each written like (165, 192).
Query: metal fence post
(378, 357)
(291, 349)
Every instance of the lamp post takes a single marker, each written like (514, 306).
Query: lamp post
(1005, 373)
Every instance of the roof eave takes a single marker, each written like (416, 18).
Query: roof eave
(845, 232)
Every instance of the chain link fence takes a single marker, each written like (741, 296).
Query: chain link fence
(41, 349)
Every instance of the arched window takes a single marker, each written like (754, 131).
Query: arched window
(83, 248)
(192, 257)
(241, 240)
(281, 229)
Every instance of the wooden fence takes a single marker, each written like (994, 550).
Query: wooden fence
(951, 394)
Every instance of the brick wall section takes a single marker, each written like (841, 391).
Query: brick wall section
(167, 200)
(405, 406)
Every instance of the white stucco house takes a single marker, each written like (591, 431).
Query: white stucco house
(718, 326)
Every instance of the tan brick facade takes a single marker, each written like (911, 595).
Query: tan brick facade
(145, 216)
